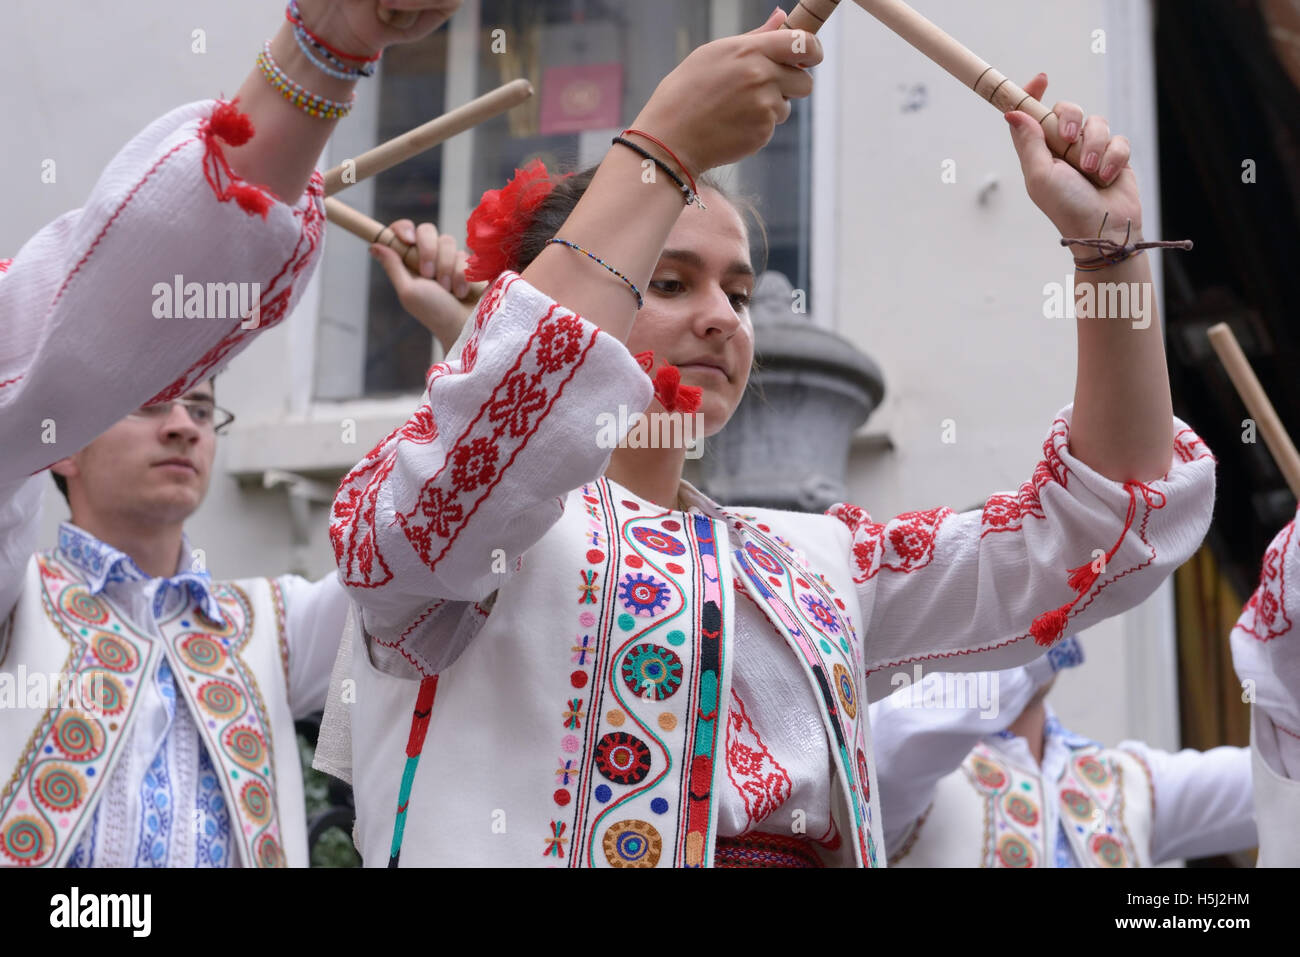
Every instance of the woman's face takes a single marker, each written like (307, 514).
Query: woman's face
(696, 312)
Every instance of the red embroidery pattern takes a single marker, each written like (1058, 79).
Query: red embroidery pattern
(905, 544)
(762, 783)
(496, 436)
(4, 264)
(1265, 616)
(1189, 447)
(1005, 512)
(276, 296)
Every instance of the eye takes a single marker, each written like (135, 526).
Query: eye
(739, 300)
(667, 287)
(201, 413)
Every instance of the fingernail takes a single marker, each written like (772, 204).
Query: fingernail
(426, 268)
(1071, 130)
(1090, 161)
(1106, 173)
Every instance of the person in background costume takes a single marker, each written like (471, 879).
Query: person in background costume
(166, 736)
(564, 655)
(963, 785)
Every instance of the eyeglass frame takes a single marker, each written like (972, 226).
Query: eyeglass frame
(161, 410)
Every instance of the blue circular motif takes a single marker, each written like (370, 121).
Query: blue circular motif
(659, 541)
(764, 559)
(626, 622)
(643, 594)
(826, 646)
(603, 793)
(659, 806)
(650, 671)
(676, 638)
(822, 615)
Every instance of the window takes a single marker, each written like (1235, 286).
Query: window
(593, 64)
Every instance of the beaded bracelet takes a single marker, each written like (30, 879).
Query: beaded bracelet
(310, 103)
(294, 16)
(663, 146)
(594, 258)
(326, 62)
(691, 195)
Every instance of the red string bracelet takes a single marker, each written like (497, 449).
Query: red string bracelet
(292, 14)
(664, 146)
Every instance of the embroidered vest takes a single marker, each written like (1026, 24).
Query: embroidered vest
(989, 813)
(232, 675)
(582, 725)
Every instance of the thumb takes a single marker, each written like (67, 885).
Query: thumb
(1031, 145)
(393, 267)
(774, 21)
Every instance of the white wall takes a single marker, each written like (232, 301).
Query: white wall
(945, 293)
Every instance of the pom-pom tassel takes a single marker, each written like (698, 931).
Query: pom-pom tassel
(231, 125)
(250, 199)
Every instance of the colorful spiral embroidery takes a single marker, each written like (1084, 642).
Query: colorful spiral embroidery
(114, 653)
(269, 853)
(1021, 809)
(80, 604)
(1014, 852)
(844, 686)
(257, 801)
(864, 778)
(102, 694)
(1077, 803)
(77, 736)
(26, 840)
(202, 653)
(633, 844)
(652, 672)
(1108, 850)
(659, 541)
(246, 746)
(1093, 771)
(622, 758)
(643, 594)
(989, 775)
(823, 617)
(220, 699)
(59, 788)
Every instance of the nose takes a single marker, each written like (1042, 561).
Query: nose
(177, 424)
(718, 318)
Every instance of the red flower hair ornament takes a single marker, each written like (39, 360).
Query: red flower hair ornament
(494, 228)
(493, 232)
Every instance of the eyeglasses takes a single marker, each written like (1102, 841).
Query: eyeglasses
(204, 413)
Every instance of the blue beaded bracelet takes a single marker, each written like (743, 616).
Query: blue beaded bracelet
(594, 258)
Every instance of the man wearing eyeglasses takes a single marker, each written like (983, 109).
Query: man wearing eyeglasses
(146, 710)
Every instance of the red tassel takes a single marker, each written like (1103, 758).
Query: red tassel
(1083, 578)
(250, 199)
(689, 398)
(646, 360)
(1047, 628)
(667, 381)
(231, 125)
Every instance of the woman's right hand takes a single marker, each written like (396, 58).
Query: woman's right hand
(723, 102)
(441, 298)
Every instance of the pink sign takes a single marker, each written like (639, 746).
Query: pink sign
(576, 98)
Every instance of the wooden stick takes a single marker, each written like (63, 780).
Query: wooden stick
(427, 135)
(373, 231)
(1257, 404)
(987, 82)
(810, 15)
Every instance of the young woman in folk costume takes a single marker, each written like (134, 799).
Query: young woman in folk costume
(569, 657)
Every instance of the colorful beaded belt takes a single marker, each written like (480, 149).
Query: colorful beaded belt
(765, 850)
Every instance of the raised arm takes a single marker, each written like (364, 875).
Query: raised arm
(97, 313)
(1123, 412)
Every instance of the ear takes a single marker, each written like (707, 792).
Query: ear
(66, 467)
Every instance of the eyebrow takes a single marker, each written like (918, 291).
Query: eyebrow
(195, 394)
(738, 267)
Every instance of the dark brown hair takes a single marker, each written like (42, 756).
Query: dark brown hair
(557, 206)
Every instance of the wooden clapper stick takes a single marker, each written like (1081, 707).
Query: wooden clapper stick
(1257, 404)
(400, 148)
(945, 51)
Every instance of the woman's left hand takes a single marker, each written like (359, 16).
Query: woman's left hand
(1069, 198)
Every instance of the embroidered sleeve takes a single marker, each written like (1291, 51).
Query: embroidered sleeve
(989, 589)
(1266, 653)
(924, 730)
(443, 507)
(149, 288)
(1202, 801)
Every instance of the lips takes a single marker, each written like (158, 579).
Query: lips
(714, 364)
(185, 463)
